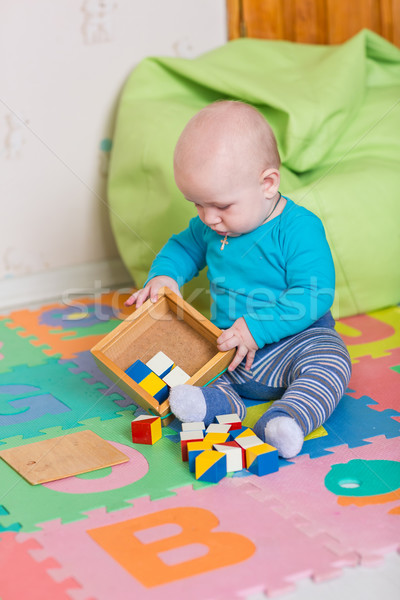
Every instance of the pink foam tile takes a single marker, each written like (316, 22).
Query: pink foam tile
(375, 377)
(299, 492)
(21, 576)
(131, 471)
(262, 550)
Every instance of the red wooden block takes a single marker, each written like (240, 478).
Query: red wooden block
(189, 436)
(146, 430)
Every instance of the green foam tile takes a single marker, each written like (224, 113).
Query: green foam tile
(17, 350)
(166, 473)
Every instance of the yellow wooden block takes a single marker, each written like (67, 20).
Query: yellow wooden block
(193, 450)
(216, 438)
(206, 460)
(201, 445)
(247, 432)
(146, 429)
(152, 384)
(262, 459)
(156, 430)
(252, 453)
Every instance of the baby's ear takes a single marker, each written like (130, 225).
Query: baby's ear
(270, 180)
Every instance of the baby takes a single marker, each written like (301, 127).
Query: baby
(271, 275)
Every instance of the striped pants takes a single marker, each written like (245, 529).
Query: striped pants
(306, 375)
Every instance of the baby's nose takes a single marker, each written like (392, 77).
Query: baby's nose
(211, 218)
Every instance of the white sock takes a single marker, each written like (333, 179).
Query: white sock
(284, 434)
(187, 403)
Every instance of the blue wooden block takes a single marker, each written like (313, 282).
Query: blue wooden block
(163, 394)
(192, 459)
(138, 371)
(262, 460)
(210, 466)
(234, 433)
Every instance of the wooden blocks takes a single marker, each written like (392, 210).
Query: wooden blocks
(186, 437)
(169, 326)
(240, 447)
(157, 376)
(192, 433)
(146, 430)
(262, 459)
(210, 465)
(247, 441)
(148, 380)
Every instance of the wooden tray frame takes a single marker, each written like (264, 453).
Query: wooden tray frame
(136, 325)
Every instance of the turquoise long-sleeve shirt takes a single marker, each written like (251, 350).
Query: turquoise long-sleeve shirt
(280, 277)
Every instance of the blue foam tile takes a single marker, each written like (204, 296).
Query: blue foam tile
(352, 422)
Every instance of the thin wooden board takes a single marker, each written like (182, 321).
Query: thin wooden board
(60, 457)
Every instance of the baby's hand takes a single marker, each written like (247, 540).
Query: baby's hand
(238, 336)
(151, 290)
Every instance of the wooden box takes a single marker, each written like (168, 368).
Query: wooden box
(172, 326)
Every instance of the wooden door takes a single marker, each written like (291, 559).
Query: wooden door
(313, 21)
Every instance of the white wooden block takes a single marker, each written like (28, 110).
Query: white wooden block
(195, 426)
(231, 418)
(191, 435)
(248, 441)
(216, 428)
(160, 364)
(234, 457)
(176, 377)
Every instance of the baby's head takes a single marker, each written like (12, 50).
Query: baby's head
(227, 163)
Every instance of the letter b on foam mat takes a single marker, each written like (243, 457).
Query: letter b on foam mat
(142, 560)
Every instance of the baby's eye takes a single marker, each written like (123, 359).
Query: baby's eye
(225, 207)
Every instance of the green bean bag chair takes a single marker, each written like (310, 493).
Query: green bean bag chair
(335, 111)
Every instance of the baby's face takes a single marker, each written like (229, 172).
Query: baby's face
(229, 203)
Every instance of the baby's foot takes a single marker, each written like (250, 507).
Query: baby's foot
(188, 403)
(191, 403)
(285, 435)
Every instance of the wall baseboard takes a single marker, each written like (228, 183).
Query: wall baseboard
(31, 291)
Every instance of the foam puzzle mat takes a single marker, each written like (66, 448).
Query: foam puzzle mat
(147, 529)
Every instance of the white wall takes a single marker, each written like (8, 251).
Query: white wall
(62, 66)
